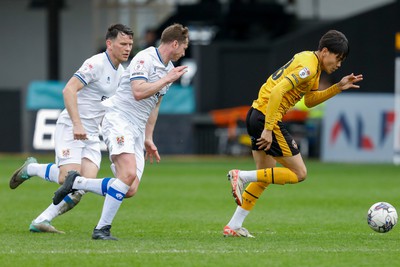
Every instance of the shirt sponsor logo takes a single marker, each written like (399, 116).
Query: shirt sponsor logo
(158, 94)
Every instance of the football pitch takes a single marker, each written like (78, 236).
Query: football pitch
(176, 219)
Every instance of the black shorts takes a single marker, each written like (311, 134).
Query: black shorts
(283, 144)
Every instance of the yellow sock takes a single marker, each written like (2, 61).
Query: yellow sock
(278, 175)
(251, 194)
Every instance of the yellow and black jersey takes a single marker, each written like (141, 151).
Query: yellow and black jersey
(285, 87)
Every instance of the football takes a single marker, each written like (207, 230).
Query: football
(382, 217)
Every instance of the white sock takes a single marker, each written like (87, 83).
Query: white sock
(50, 213)
(97, 186)
(48, 172)
(65, 205)
(112, 202)
(238, 218)
(248, 176)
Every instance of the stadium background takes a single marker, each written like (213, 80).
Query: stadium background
(47, 40)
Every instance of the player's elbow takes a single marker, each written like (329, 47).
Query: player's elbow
(139, 95)
(308, 104)
(67, 91)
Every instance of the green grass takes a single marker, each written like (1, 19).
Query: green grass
(176, 219)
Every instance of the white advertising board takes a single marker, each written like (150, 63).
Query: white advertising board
(45, 125)
(359, 128)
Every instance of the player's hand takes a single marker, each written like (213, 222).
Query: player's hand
(176, 73)
(151, 152)
(79, 133)
(348, 82)
(265, 141)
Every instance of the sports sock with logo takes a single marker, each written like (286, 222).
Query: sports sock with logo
(278, 175)
(115, 194)
(251, 194)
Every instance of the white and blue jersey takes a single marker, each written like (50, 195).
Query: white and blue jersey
(146, 65)
(101, 79)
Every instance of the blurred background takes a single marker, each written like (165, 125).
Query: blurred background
(234, 46)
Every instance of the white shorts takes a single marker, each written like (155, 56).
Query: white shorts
(70, 151)
(121, 136)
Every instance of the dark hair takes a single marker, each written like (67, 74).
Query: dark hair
(175, 32)
(336, 42)
(114, 29)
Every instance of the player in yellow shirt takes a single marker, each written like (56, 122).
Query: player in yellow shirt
(271, 142)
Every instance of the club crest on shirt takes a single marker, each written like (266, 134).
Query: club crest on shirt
(120, 140)
(304, 72)
(294, 144)
(65, 153)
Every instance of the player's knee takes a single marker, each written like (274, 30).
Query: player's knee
(133, 188)
(128, 177)
(131, 192)
(301, 174)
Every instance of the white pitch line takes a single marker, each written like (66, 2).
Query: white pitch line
(188, 251)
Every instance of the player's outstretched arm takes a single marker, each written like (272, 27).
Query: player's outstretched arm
(142, 89)
(349, 81)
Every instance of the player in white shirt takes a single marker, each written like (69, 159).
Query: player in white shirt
(77, 142)
(129, 124)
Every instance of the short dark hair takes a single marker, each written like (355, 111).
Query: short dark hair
(336, 42)
(114, 29)
(175, 32)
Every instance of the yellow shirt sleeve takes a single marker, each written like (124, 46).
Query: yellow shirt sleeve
(314, 98)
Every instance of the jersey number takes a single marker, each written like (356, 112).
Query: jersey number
(279, 72)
